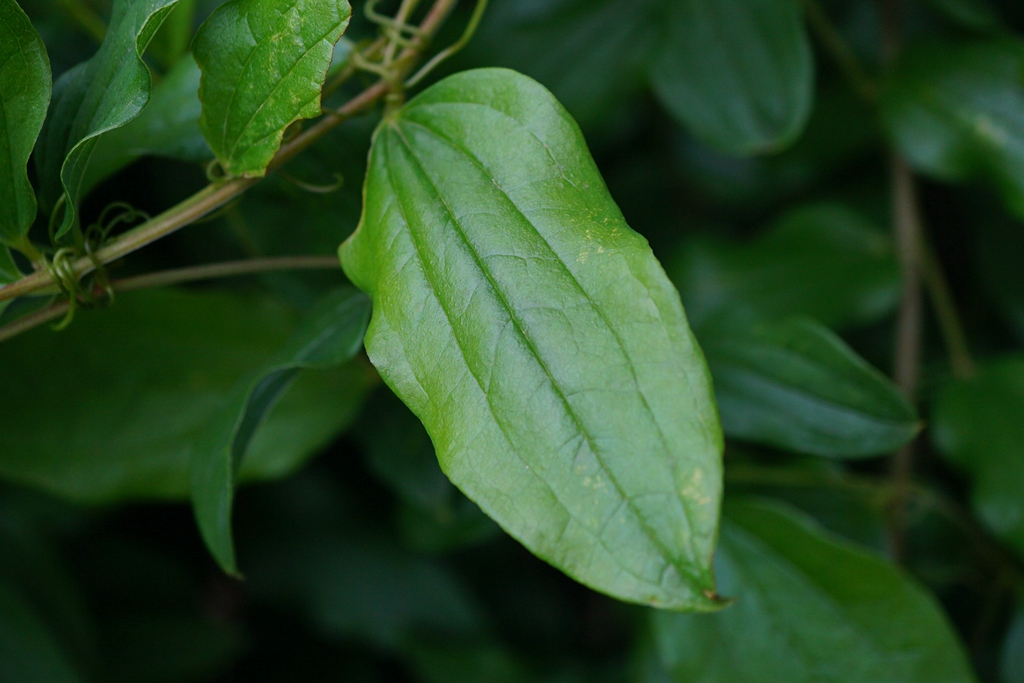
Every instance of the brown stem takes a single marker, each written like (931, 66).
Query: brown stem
(217, 195)
(907, 362)
(176, 276)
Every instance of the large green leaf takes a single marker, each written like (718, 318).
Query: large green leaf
(797, 386)
(956, 111)
(824, 261)
(809, 608)
(977, 424)
(538, 339)
(167, 127)
(94, 97)
(738, 73)
(264, 63)
(24, 94)
(331, 335)
(29, 651)
(124, 394)
(592, 55)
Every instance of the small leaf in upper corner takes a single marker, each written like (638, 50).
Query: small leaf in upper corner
(24, 95)
(738, 73)
(977, 424)
(538, 339)
(956, 112)
(808, 608)
(797, 386)
(97, 96)
(264, 63)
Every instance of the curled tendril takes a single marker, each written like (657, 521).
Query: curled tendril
(62, 265)
(56, 214)
(467, 35)
(215, 172)
(392, 28)
(62, 270)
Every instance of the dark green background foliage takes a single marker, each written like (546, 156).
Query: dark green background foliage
(417, 511)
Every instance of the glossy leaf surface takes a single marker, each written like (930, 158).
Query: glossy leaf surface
(956, 111)
(264, 63)
(167, 127)
(797, 386)
(977, 424)
(824, 261)
(81, 426)
(538, 339)
(24, 95)
(738, 73)
(809, 608)
(331, 335)
(97, 96)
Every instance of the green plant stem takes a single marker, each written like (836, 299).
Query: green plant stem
(216, 195)
(167, 278)
(834, 43)
(87, 18)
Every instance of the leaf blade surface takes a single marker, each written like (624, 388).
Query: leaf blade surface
(976, 424)
(127, 391)
(797, 386)
(956, 112)
(264, 64)
(576, 412)
(24, 96)
(99, 95)
(809, 608)
(738, 73)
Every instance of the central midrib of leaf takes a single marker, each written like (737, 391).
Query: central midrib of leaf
(394, 129)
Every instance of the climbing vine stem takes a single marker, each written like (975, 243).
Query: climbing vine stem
(219, 193)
